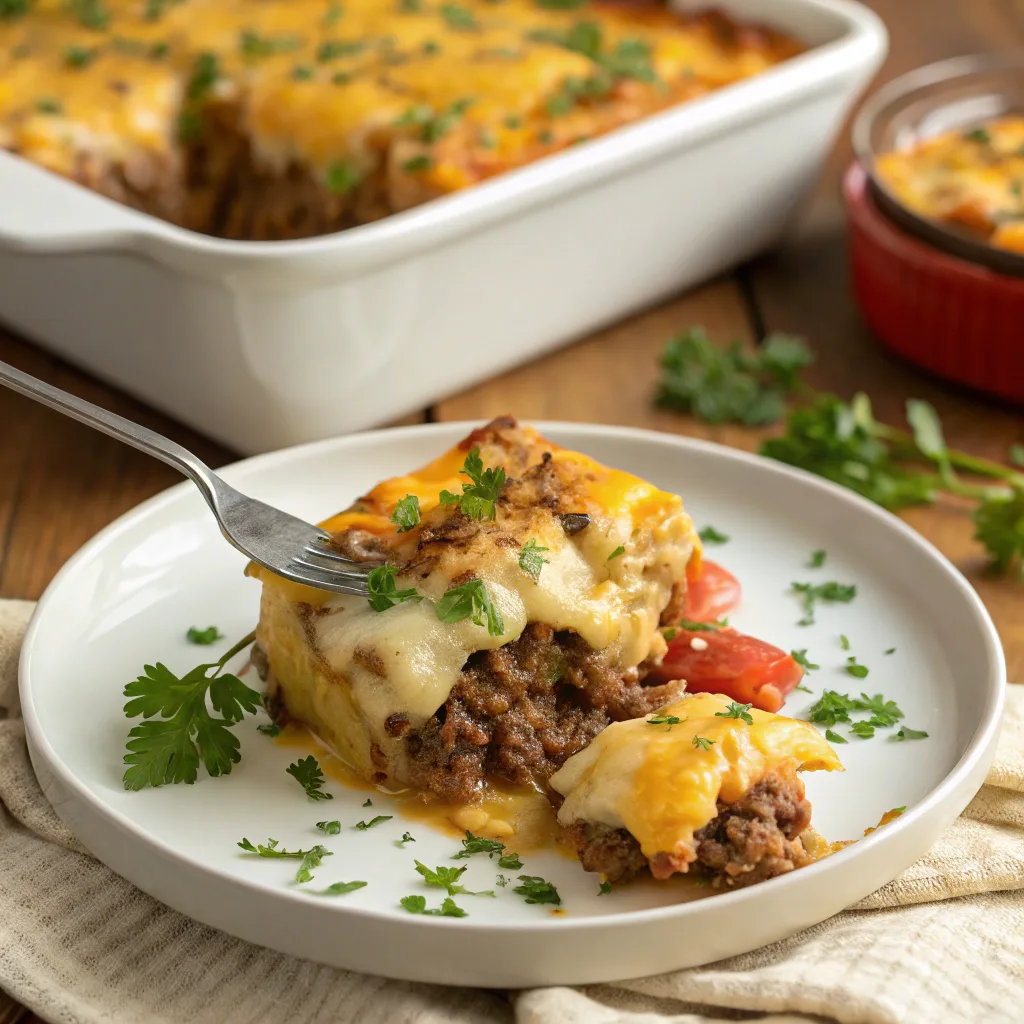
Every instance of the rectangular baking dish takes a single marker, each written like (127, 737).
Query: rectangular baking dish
(266, 344)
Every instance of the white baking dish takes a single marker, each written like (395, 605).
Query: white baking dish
(266, 344)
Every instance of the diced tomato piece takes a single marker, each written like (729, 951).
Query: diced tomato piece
(742, 667)
(712, 595)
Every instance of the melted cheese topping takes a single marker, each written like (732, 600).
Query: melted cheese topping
(970, 179)
(322, 81)
(656, 782)
(406, 660)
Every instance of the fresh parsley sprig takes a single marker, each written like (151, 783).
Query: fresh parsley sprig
(735, 710)
(477, 844)
(169, 750)
(365, 826)
(406, 514)
(384, 593)
(447, 878)
(310, 859)
(471, 600)
(479, 496)
(537, 890)
(531, 561)
(418, 905)
(309, 775)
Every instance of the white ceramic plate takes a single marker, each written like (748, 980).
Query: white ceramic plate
(128, 596)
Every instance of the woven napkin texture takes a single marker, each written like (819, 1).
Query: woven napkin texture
(944, 942)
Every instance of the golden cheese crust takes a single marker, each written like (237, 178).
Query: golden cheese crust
(287, 118)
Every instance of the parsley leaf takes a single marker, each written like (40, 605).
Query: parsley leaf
(329, 828)
(668, 720)
(364, 826)
(844, 641)
(699, 627)
(620, 550)
(310, 862)
(734, 710)
(311, 858)
(865, 730)
(418, 905)
(702, 743)
(831, 707)
(308, 775)
(908, 734)
(169, 751)
(447, 879)
(604, 888)
(978, 135)
(834, 737)
(383, 592)
(367, 802)
(811, 593)
(510, 861)
(806, 689)
(269, 729)
(342, 177)
(407, 513)
(999, 525)
(203, 637)
(458, 17)
(479, 496)
(406, 838)
(800, 657)
(477, 844)
(501, 881)
(471, 600)
(340, 888)
(531, 561)
(884, 712)
(709, 535)
(817, 559)
(859, 671)
(891, 650)
(536, 890)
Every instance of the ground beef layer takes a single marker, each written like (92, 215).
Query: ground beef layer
(519, 711)
(753, 839)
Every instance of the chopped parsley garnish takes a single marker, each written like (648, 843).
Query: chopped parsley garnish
(510, 861)
(406, 514)
(817, 559)
(46, 105)
(703, 743)
(11, 9)
(418, 905)
(418, 164)
(811, 593)
(340, 888)
(701, 627)
(513, 123)
(831, 707)
(252, 44)
(302, 73)
(406, 838)
(834, 707)
(435, 126)
(501, 881)
(531, 561)
(479, 496)
(978, 135)
(545, 138)
(834, 737)
(620, 550)
(410, 6)
(721, 385)
(471, 600)
(342, 177)
(734, 710)
(709, 535)
(308, 775)
(332, 15)
(205, 73)
(269, 729)
(447, 879)
(891, 650)
(800, 657)
(908, 734)
(329, 828)
(341, 78)
(604, 888)
(430, 47)
(367, 802)
(536, 890)
(844, 641)
(90, 13)
(458, 17)
(332, 49)
(311, 859)
(80, 56)
(364, 826)
(865, 730)
(560, 5)
(203, 637)
(383, 592)
(806, 689)
(883, 712)
(477, 844)
(858, 671)
(668, 720)
(169, 750)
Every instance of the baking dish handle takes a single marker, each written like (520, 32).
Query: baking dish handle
(42, 212)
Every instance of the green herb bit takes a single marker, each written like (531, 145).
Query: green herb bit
(90, 13)
(604, 888)
(418, 905)
(270, 729)
(545, 138)
(800, 657)
(806, 689)
(342, 177)
(447, 879)
(908, 734)
(418, 164)
(858, 671)
(332, 16)
(477, 844)
(367, 802)
(471, 600)
(479, 497)
(844, 641)
(668, 720)
(669, 633)
(620, 550)
(536, 890)
(703, 743)
(831, 707)
(46, 105)
(899, 810)
(734, 710)
(302, 73)
(891, 650)
(978, 135)
(531, 561)
(11, 9)
(430, 47)
(818, 558)
(406, 838)
(513, 123)
(169, 750)
(270, 849)
(252, 44)
(510, 861)
(884, 712)
(703, 627)
(1017, 450)
(560, 5)
(80, 56)
(329, 828)
(501, 881)
(811, 593)
(999, 525)
(709, 535)
(308, 775)
(310, 863)
(203, 637)
(406, 514)
(383, 592)
(364, 826)
(458, 17)
(340, 888)
(332, 49)
(834, 737)
(865, 730)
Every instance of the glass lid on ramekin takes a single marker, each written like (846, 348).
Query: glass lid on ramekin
(962, 93)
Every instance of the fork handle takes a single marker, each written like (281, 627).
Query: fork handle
(123, 429)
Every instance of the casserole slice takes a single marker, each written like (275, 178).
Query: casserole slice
(704, 784)
(519, 617)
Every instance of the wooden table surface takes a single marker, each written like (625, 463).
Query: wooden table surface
(61, 482)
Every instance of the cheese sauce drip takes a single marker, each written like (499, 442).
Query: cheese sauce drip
(655, 781)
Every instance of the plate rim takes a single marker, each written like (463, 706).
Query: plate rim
(980, 745)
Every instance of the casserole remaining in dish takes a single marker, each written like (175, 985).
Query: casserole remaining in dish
(291, 118)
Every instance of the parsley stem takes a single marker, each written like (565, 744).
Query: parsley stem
(904, 447)
(240, 646)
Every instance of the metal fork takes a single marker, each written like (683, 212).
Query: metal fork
(287, 546)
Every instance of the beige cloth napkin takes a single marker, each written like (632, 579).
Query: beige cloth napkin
(942, 943)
